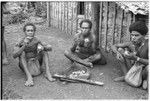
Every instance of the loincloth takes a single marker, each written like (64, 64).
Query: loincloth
(34, 66)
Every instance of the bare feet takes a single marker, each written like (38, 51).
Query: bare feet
(5, 61)
(119, 79)
(49, 77)
(89, 64)
(145, 84)
(29, 83)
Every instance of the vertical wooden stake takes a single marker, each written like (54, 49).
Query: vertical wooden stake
(48, 14)
(106, 26)
(114, 22)
(120, 33)
(100, 22)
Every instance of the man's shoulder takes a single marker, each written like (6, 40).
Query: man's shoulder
(77, 36)
(20, 41)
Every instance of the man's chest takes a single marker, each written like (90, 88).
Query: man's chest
(32, 46)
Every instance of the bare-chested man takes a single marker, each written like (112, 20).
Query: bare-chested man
(83, 52)
(32, 53)
(134, 51)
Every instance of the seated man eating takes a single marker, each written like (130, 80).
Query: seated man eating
(83, 52)
(32, 53)
(135, 52)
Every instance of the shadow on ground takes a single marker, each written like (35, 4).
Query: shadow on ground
(14, 79)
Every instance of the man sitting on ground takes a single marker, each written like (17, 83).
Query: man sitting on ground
(32, 53)
(135, 51)
(83, 52)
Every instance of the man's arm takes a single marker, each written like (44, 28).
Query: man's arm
(97, 55)
(120, 45)
(19, 47)
(18, 50)
(143, 61)
(75, 42)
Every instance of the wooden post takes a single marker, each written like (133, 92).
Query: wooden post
(67, 17)
(106, 25)
(61, 15)
(100, 22)
(72, 18)
(121, 21)
(48, 14)
(95, 21)
(64, 16)
(129, 19)
(57, 7)
(54, 14)
(114, 22)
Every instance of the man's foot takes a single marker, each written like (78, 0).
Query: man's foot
(5, 61)
(49, 77)
(145, 84)
(89, 64)
(29, 83)
(119, 79)
(65, 82)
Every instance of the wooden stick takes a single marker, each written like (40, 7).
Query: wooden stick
(66, 78)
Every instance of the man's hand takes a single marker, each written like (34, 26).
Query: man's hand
(131, 56)
(88, 63)
(40, 47)
(119, 56)
(26, 40)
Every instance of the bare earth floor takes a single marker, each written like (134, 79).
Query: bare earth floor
(14, 78)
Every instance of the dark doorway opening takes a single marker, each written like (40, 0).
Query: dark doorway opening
(81, 8)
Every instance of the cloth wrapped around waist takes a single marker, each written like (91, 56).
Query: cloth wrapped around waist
(34, 66)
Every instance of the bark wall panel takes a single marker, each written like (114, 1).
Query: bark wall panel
(110, 29)
(118, 27)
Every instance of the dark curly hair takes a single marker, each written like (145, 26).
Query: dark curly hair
(87, 21)
(139, 26)
(29, 24)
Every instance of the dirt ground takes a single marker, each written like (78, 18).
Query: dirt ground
(14, 79)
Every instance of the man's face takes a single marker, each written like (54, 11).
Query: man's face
(85, 28)
(136, 37)
(29, 32)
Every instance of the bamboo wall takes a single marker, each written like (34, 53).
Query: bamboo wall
(113, 22)
(63, 16)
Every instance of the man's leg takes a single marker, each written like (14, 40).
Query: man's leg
(74, 58)
(4, 53)
(4, 48)
(125, 66)
(23, 66)
(98, 59)
(145, 78)
(48, 75)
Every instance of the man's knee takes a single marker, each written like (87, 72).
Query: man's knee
(20, 64)
(67, 53)
(103, 61)
(47, 48)
(22, 56)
